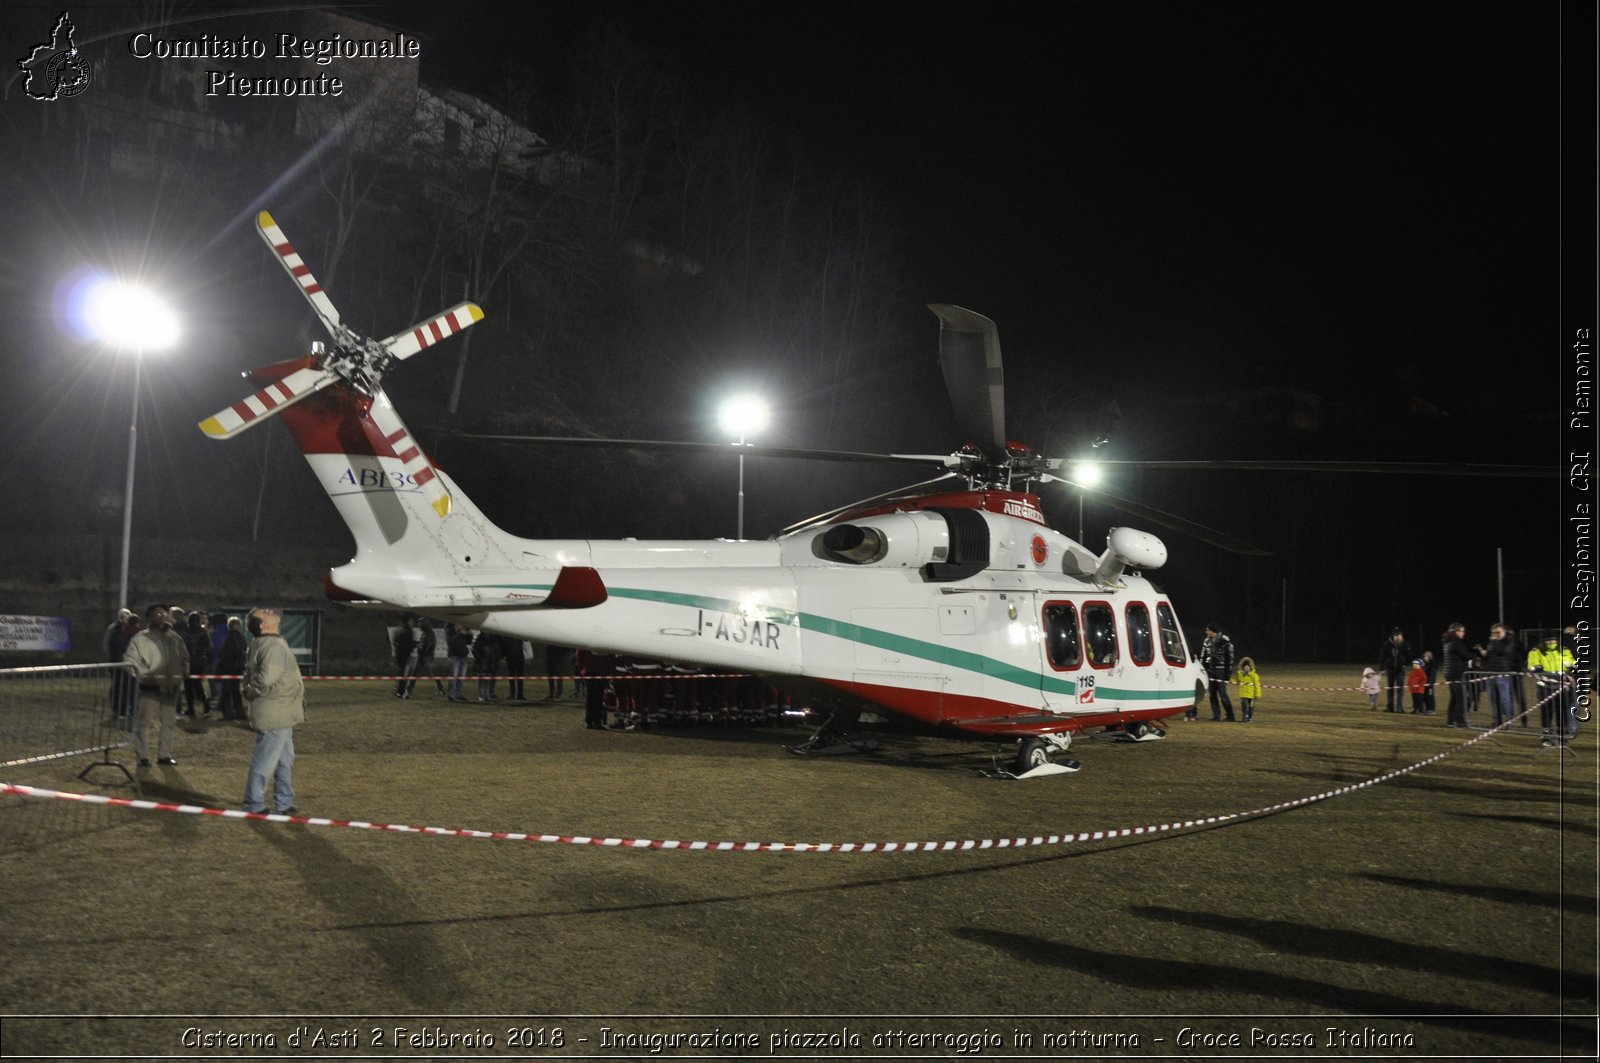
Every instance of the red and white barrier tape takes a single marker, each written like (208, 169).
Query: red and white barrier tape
(1068, 838)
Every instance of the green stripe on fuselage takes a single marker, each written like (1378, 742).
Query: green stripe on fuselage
(934, 652)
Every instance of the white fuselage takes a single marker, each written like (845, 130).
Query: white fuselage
(1033, 639)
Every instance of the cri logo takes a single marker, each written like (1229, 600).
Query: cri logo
(1041, 550)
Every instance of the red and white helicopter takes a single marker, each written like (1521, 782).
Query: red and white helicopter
(948, 609)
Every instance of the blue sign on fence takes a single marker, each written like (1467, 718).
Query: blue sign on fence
(35, 633)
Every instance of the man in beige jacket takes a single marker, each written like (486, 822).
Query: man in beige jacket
(160, 662)
(276, 697)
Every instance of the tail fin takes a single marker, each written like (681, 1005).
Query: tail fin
(387, 491)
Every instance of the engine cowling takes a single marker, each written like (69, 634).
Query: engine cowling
(946, 544)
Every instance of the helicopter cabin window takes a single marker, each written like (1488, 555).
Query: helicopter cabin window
(1171, 636)
(1100, 634)
(1061, 636)
(1141, 641)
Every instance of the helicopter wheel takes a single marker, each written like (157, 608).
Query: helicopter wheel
(1032, 753)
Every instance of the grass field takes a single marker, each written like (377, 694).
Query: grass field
(1449, 911)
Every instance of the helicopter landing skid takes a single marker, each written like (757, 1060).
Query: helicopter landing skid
(1137, 732)
(833, 737)
(1038, 771)
(833, 745)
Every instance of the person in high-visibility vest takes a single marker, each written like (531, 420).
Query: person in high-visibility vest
(1550, 662)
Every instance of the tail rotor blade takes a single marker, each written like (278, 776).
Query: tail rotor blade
(301, 273)
(426, 333)
(269, 400)
(410, 455)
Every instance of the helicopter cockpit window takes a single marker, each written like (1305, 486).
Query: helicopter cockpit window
(1141, 641)
(1061, 636)
(1171, 637)
(1100, 634)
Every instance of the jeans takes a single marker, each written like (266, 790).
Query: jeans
(419, 666)
(458, 669)
(1500, 698)
(274, 758)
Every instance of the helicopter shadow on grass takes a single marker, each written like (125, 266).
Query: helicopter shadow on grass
(1418, 781)
(998, 867)
(1481, 891)
(1585, 828)
(1180, 976)
(1350, 946)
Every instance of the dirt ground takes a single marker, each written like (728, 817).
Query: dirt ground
(1445, 912)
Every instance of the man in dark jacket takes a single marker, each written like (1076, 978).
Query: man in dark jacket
(515, 655)
(405, 652)
(427, 647)
(198, 639)
(1394, 659)
(1453, 660)
(458, 648)
(1502, 658)
(230, 662)
(124, 691)
(1216, 657)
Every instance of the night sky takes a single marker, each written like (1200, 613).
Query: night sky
(1322, 194)
(1158, 201)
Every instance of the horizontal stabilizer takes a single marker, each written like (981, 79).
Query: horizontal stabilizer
(575, 587)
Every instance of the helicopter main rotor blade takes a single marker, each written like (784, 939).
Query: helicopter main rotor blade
(750, 449)
(1221, 540)
(969, 355)
(1408, 468)
(909, 491)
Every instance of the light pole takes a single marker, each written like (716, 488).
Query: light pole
(134, 321)
(743, 416)
(1085, 474)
